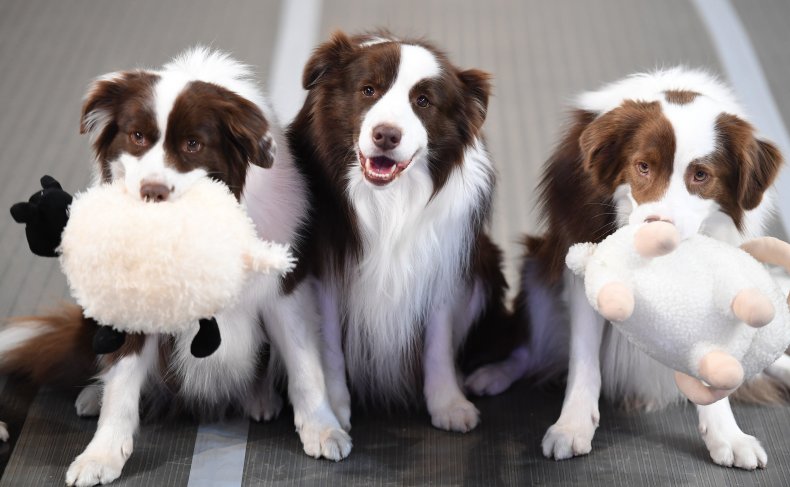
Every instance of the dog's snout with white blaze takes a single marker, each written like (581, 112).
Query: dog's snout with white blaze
(392, 137)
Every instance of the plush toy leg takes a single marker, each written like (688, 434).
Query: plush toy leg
(107, 340)
(696, 390)
(656, 239)
(721, 370)
(615, 301)
(207, 339)
(753, 308)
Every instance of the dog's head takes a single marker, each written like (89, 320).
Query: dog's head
(159, 131)
(386, 106)
(681, 158)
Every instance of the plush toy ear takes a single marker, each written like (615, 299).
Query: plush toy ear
(328, 56)
(757, 161)
(578, 256)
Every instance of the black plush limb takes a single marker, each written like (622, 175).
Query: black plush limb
(45, 215)
(207, 339)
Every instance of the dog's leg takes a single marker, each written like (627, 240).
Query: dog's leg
(572, 434)
(292, 324)
(334, 360)
(497, 377)
(3, 431)
(727, 444)
(106, 454)
(447, 405)
(88, 403)
(265, 403)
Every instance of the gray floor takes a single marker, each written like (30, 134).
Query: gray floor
(541, 53)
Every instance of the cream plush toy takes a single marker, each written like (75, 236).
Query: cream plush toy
(708, 310)
(147, 267)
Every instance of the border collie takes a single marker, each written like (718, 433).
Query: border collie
(200, 116)
(390, 141)
(671, 145)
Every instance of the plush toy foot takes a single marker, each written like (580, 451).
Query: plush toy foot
(655, 239)
(615, 302)
(753, 308)
(697, 392)
(721, 370)
(107, 340)
(207, 339)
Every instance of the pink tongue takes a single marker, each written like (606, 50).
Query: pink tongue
(382, 164)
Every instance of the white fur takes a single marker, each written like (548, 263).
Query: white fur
(111, 446)
(623, 372)
(408, 266)
(394, 108)
(276, 200)
(18, 333)
(410, 281)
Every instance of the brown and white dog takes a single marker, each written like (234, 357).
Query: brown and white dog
(390, 141)
(159, 131)
(668, 145)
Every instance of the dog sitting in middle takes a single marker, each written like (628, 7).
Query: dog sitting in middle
(390, 141)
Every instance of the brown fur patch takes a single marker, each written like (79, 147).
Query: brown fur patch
(680, 97)
(744, 167)
(230, 130)
(596, 155)
(573, 208)
(118, 107)
(63, 354)
(763, 389)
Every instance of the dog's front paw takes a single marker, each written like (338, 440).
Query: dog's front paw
(567, 439)
(489, 380)
(325, 441)
(264, 407)
(3, 431)
(99, 465)
(88, 403)
(736, 450)
(457, 415)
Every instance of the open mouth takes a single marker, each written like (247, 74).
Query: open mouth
(381, 170)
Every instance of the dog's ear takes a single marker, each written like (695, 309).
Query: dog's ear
(603, 141)
(329, 55)
(248, 131)
(756, 162)
(104, 95)
(477, 89)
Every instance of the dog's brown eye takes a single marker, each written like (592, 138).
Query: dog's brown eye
(368, 91)
(192, 145)
(422, 101)
(643, 168)
(701, 176)
(138, 138)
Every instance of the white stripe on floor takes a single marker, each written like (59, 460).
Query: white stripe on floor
(218, 459)
(743, 68)
(220, 449)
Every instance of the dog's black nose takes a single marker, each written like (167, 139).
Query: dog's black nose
(154, 192)
(386, 137)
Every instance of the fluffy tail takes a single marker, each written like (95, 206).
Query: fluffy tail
(51, 349)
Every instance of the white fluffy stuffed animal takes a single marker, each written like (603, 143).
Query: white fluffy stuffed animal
(149, 267)
(708, 310)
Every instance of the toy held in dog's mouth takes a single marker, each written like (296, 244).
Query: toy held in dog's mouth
(381, 170)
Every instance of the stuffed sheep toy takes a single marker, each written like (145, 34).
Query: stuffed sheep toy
(155, 267)
(708, 310)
